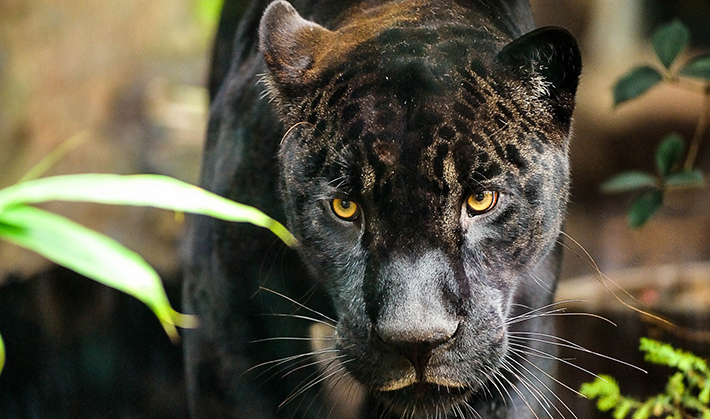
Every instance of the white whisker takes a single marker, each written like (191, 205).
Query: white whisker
(282, 361)
(296, 338)
(317, 313)
(549, 390)
(564, 343)
(298, 316)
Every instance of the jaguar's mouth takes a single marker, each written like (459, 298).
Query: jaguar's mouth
(412, 382)
(425, 397)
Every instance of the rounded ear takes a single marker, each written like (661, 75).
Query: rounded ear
(549, 61)
(288, 43)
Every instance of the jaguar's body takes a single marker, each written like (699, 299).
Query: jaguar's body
(418, 152)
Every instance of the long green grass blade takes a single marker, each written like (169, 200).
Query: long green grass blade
(143, 190)
(57, 154)
(2, 354)
(91, 254)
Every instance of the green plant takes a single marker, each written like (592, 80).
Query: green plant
(100, 257)
(675, 166)
(687, 392)
(207, 11)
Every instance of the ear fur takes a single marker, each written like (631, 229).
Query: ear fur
(550, 60)
(288, 43)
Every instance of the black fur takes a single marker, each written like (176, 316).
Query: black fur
(405, 109)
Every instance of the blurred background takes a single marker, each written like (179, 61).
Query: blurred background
(129, 77)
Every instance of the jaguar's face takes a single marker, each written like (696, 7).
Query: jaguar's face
(424, 181)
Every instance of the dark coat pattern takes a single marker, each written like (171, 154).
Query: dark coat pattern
(404, 113)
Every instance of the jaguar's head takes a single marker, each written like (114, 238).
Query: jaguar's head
(425, 175)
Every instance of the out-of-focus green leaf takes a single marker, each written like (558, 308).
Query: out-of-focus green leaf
(691, 178)
(605, 388)
(644, 207)
(146, 190)
(676, 387)
(623, 409)
(629, 181)
(207, 11)
(90, 254)
(635, 83)
(704, 395)
(669, 153)
(698, 67)
(2, 354)
(669, 40)
(643, 412)
(665, 354)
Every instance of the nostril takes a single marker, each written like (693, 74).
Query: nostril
(415, 345)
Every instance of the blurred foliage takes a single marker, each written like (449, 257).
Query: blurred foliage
(687, 392)
(674, 161)
(208, 11)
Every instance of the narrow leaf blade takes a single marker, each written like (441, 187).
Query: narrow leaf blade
(669, 40)
(629, 181)
(643, 208)
(2, 354)
(635, 83)
(692, 178)
(144, 190)
(698, 67)
(208, 11)
(57, 154)
(89, 253)
(669, 153)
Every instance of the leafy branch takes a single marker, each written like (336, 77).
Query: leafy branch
(675, 166)
(687, 394)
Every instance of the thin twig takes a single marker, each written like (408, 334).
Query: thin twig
(699, 131)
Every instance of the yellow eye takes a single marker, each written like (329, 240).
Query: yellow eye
(347, 210)
(481, 202)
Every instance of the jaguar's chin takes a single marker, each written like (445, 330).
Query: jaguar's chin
(425, 398)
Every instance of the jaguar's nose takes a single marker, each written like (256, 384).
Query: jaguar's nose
(416, 343)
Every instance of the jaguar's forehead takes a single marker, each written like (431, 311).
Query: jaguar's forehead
(414, 113)
(396, 28)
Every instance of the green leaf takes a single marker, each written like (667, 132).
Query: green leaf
(698, 67)
(57, 154)
(692, 178)
(676, 387)
(644, 411)
(665, 354)
(2, 354)
(669, 40)
(704, 395)
(669, 153)
(602, 385)
(207, 11)
(629, 181)
(622, 409)
(635, 83)
(644, 207)
(145, 190)
(90, 254)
